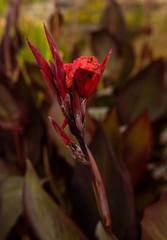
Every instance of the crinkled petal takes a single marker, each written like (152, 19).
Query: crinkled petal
(69, 69)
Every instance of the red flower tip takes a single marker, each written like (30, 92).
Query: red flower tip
(53, 48)
(105, 61)
(41, 61)
(50, 84)
(65, 122)
(60, 131)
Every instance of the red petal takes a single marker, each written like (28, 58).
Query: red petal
(52, 66)
(80, 84)
(91, 85)
(60, 131)
(60, 78)
(41, 61)
(105, 61)
(53, 48)
(65, 122)
(51, 86)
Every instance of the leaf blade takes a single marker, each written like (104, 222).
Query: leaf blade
(46, 217)
(154, 223)
(11, 204)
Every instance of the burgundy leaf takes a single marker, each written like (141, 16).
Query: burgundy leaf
(45, 217)
(154, 223)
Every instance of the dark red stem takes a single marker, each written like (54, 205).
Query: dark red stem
(18, 149)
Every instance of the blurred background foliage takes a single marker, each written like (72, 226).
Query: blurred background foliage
(126, 121)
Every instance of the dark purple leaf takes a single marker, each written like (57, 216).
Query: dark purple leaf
(12, 111)
(45, 216)
(33, 136)
(137, 146)
(112, 128)
(36, 78)
(144, 92)
(11, 206)
(113, 34)
(117, 186)
(154, 224)
(10, 44)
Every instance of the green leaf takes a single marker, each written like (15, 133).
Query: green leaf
(143, 92)
(101, 233)
(137, 146)
(11, 204)
(6, 170)
(117, 186)
(154, 224)
(46, 217)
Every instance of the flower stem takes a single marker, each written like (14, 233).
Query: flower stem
(100, 193)
(98, 187)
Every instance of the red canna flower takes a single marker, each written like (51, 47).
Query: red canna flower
(86, 71)
(72, 84)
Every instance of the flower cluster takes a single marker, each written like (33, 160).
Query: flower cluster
(72, 84)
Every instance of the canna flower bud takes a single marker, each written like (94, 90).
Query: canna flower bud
(78, 122)
(83, 107)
